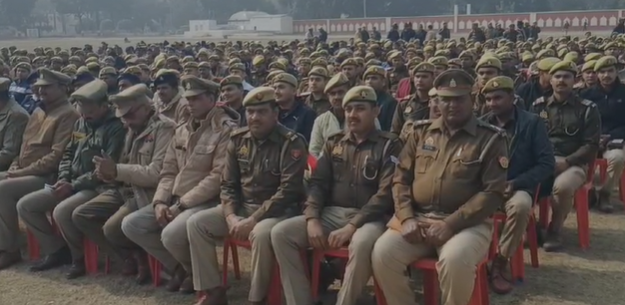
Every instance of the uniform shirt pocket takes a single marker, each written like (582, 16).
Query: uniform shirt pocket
(425, 160)
(465, 166)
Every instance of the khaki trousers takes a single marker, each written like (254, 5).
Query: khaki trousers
(170, 244)
(207, 228)
(518, 210)
(11, 190)
(564, 188)
(33, 210)
(100, 220)
(616, 163)
(456, 266)
(290, 237)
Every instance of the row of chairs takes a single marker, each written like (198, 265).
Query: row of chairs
(428, 266)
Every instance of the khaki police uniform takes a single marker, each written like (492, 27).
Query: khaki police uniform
(189, 181)
(137, 173)
(43, 142)
(574, 128)
(479, 101)
(412, 108)
(77, 168)
(474, 162)
(13, 120)
(320, 104)
(351, 186)
(519, 207)
(261, 179)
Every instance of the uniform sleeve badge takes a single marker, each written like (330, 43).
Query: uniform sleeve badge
(543, 114)
(296, 154)
(337, 150)
(504, 162)
(244, 151)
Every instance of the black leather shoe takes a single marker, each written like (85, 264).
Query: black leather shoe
(56, 259)
(77, 270)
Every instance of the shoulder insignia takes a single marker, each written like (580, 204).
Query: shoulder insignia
(305, 94)
(388, 135)
(230, 123)
(239, 131)
(339, 134)
(288, 133)
(538, 101)
(588, 103)
(422, 122)
(491, 127)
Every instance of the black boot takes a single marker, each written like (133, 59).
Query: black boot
(553, 241)
(603, 204)
(77, 270)
(53, 260)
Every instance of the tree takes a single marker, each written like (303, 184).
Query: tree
(16, 13)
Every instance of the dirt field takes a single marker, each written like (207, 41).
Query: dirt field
(574, 277)
(66, 43)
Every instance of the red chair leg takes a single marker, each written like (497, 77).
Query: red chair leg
(33, 246)
(480, 290)
(275, 290)
(517, 264)
(494, 244)
(155, 269)
(316, 266)
(235, 262)
(379, 295)
(91, 256)
(583, 225)
(543, 214)
(532, 237)
(430, 287)
(225, 261)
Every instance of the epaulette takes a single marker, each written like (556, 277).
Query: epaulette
(539, 101)
(164, 118)
(491, 127)
(239, 131)
(304, 94)
(388, 135)
(289, 134)
(588, 103)
(422, 122)
(338, 134)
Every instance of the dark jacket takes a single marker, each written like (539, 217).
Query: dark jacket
(89, 140)
(387, 104)
(611, 107)
(531, 154)
(393, 35)
(299, 119)
(531, 91)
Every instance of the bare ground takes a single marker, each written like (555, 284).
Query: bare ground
(573, 277)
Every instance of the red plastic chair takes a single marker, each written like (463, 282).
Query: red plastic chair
(274, 297)
(581, 207)
(603, 170)
(517, 261)
(155, 270)
(91, 258)
(318, 255)
(34, 251)
(431, 286)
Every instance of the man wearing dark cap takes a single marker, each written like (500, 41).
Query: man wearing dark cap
(189, 182)
(168, 99)
(137, 173)
(44, 140)
(83, 77)
(315, 98)
(446, 216)
(574, 126)
(256, 194)
(353, 214)
(97, 133)
(609, 94)
(294, 114)
(531, 163)
(232, 94)
(127, 80)
(13, 120)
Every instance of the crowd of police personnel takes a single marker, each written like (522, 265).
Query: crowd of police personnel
(166, 149)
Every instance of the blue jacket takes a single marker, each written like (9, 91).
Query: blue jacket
(531, 154)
